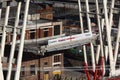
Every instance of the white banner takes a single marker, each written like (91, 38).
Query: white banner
(70, 38)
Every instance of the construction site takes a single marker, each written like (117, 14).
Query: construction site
(59, 39)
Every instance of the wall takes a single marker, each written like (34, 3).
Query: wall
(41, 64)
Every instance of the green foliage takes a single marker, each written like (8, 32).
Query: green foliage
(73, 51)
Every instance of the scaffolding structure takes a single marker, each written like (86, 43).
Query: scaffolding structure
(104, 53)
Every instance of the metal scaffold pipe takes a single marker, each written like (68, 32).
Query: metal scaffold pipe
(97, 54)
(106, 52)
(111, 20)
(13, 42)
(20, 52)
(82, 29)
(100, 31)
(117, 42)
(0, 9)
(4, 29)
(1, 70)
(3, 39)
(89, 27)
(99, 26)
(112, 67)
(84, 47)
(111, 14)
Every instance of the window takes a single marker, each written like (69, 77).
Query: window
(32, 34)
(18, 37)
(45, 32)
(57, 30)
(57, 58)
(45, 63)
(57, 65)
(32, 69)
(22, 73)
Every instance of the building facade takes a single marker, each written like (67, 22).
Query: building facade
(44, 68)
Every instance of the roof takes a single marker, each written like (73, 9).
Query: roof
(31, 22)
(37, 6)
(32, 8)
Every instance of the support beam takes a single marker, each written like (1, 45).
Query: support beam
(106, 53)
(111, 14)
(3, 39)
(98, 54)
(112, 67)
(89, 27)
(0, 10)
(13, 42)
(100, 30)
(4, 29)
(117, 42)
(82, 29)
(20, 52)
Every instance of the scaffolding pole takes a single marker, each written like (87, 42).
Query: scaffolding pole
(13, 42)
(111, 14)
(1, 70)
(82, 29)
(117, 42)
(110, 19)
(89, 27)
(0, 10)
(20, 52)
(3, 38)
(100, 31)
(84, 47)
(112, 67)
(4, 29)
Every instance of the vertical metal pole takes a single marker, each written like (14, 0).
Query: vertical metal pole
(100, 31)
(20, 53)
(89, 27)
(106, 52)
(82, 29)
(1, 70)
(4, 29)
(0, 10)
(112, 67)
(97, 54)
(13, 42)
(99, 27)
(117, 42)
(111, 14)
(3, 38)
(102, 24)
(87, 14)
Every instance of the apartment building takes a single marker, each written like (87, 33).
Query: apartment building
(40, 24)
(36, 67)
(41, 68)
(40, 28)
